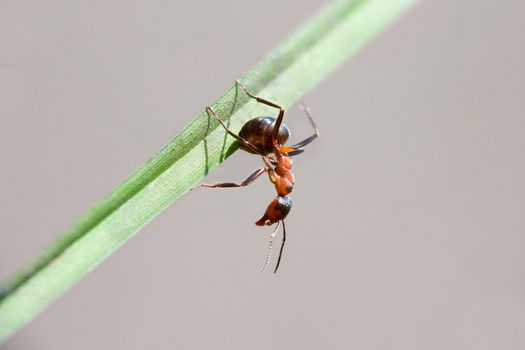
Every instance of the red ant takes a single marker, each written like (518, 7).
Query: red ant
(266, 136)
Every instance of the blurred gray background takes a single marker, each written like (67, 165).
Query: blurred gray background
(408, 224)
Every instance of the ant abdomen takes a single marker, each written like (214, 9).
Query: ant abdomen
(258, 132)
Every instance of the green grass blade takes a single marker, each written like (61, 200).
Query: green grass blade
(289, 71)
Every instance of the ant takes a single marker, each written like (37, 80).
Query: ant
(266, 136)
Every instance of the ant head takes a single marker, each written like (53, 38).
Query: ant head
(276, 211)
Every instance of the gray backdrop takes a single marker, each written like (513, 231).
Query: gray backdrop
(407, 230)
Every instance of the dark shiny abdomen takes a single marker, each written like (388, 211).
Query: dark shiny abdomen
(258, 132)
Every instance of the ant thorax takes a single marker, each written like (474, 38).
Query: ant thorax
(278, 168)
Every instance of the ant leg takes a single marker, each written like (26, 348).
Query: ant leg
(231, 133)
(280, 117)
(282, 247)
(311, 138)
(246, 182)
(295, 152)
(269, 254)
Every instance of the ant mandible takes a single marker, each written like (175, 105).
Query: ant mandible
(266, 136)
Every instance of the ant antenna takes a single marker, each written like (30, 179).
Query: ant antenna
(269, 254)
(282, 247)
